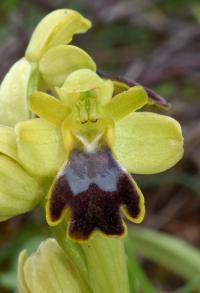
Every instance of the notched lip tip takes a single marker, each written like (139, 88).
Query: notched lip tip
(97, 233)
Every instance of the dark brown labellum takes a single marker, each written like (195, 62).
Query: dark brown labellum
(93, 187)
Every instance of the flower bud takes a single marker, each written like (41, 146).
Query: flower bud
(19, 192)
(13, 94)
(57, 28)
(48, 270)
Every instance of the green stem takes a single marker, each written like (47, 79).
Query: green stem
(107, 265)
(33, 82)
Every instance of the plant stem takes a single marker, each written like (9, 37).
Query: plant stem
(107, 265)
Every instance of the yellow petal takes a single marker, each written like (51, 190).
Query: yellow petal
(66, 59)
(148, 143)
(19, 192)
(48, 108)
(105, 92)
(57, 28)
(13, 94)
(82, 80)
(8, 144)
(40, 147)
(126, 102)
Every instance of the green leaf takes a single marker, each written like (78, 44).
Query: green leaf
(136, 273)
(175, 254)
(8, 280)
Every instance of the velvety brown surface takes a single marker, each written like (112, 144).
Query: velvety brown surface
(94, 187)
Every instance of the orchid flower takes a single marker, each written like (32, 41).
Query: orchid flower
(72, 140)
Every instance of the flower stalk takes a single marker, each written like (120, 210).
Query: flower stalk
(107, 265)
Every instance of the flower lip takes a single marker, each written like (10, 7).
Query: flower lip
(93, 187)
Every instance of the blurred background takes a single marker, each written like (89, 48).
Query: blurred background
(157, 43)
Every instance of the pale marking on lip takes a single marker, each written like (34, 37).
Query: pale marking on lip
(89, 147)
